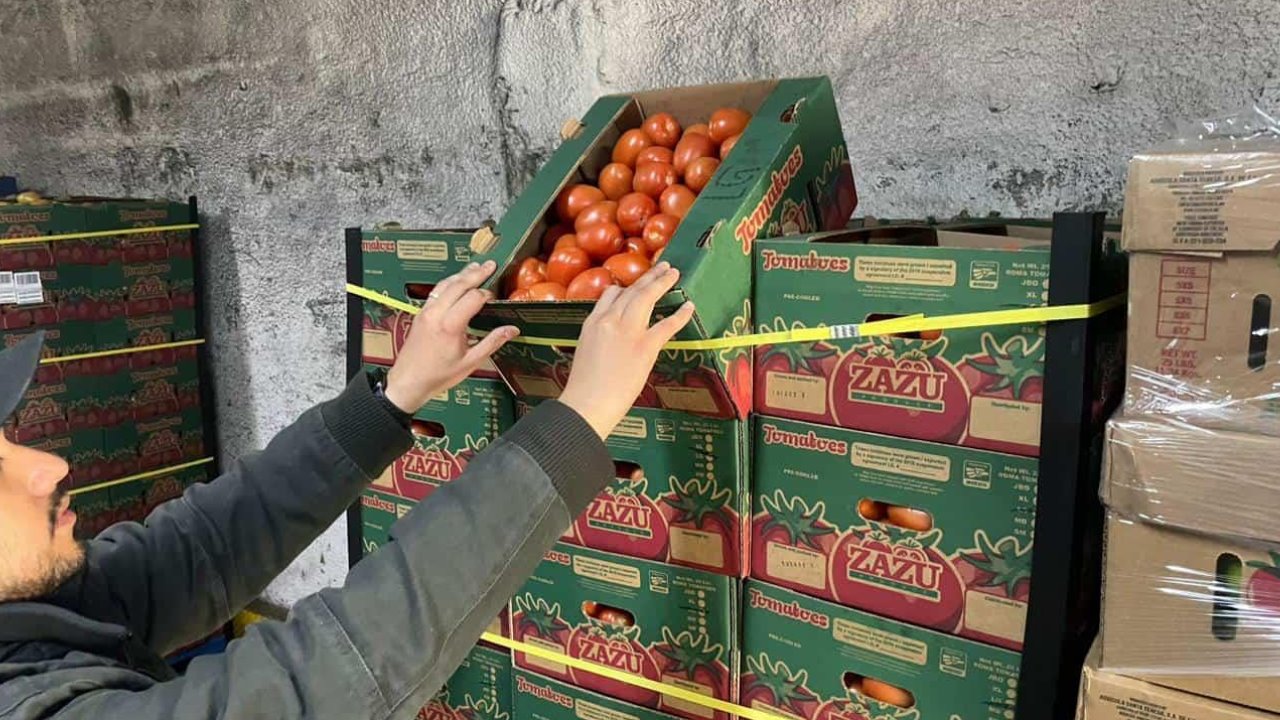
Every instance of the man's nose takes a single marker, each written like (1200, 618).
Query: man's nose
(44, 471)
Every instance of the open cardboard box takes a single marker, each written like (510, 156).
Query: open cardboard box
(979, 386)
(1204, 295)
(788, 173)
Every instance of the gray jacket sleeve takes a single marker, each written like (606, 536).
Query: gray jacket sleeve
(201, 558)
(380, 646)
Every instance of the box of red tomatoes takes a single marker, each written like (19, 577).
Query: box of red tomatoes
(816, 660)
(681, 492)
(929, 534)
(406, 265)
(980, 386)
(539, 698)
(669, 624)
(691, 176)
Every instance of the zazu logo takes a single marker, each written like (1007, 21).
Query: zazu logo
(790, 610)
(40, 411)
(779, 181)
(914, 384)
(610, 652)
(902, 569)
(810, 261)
(160, 442)
(376, 245)
(808, 441)
(558, 558)
(543, 692)
(148, 288)
(430, 462)
(621, 514)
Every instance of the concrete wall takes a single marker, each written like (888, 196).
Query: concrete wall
(295, 118)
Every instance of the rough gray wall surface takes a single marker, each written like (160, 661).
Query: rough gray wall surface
(293, 119)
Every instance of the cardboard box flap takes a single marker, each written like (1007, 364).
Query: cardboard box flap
(1211, 481)
(1196, 199)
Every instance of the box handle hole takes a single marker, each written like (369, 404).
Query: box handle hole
(879, 690)
(926, 335)
(1228, 572)
(418, 291)
(426, 428)
(624, 470)
(1259, 332)
(608, 614)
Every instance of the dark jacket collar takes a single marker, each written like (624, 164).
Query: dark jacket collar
(39, 622)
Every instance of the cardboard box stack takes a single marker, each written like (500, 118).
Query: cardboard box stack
(112, 416)
(1191, 602)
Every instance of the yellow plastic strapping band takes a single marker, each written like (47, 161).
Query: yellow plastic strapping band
(678, 693)
(121, 351)
(96, 234)
(142, 476)
(909, 323)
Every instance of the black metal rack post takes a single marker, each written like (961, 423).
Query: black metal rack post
(355, 365)
(203, 366)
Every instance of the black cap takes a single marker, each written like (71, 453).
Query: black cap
(17, 367)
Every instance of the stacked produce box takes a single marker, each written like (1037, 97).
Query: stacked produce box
(1191, 601)
(118, 415)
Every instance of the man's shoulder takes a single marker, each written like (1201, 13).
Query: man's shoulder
(38, 677)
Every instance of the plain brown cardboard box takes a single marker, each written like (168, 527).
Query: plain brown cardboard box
(1107, 696)
(1167, 619)
(1170, 473)
(1204, 286)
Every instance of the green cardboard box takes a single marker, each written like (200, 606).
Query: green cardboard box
(670, 624)
(979, 386)
(21, 221)
(165, 441)
(82, 449)
(165, 327)
(480, 689)
(788, 173)
(810, 659)
(681, 494)
(406, 265)
(135, 500)
(448, 431)
(539, 698)
(94, 512)
(931, 534)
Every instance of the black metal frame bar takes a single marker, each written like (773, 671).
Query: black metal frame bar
(355, 324)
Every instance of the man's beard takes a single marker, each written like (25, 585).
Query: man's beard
(51, 576)
(55, 503)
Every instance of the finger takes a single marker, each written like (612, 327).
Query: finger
(455, 286)
(488, 345)
(638, 286)
(458, 317)
(665, 329)
(607, 299)
(640, 306)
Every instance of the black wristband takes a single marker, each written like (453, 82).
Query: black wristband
(378, 381)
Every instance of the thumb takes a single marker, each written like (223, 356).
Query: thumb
(665, 329)
(488, 345)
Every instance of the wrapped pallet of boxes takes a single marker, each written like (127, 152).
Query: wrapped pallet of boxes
(1105, 695)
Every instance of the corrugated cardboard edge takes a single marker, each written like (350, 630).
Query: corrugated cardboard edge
(1096, 683)
(1168, 473)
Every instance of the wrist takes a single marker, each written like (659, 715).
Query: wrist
(597, 417)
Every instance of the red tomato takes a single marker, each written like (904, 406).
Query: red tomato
(663, 129)
(695, 129)
(601, 240)
(727, 122)
(519, 296)
(635, 245)
(634, 210)
(601, 212)
(871, 509)
(566, 263)
(590, 284)
(652, 178)
(886, 693)
(613, 616)
(699, 173)
(552, 236)
(615, 180)
(627, 267)
(531, 272)
(658, 231)
(569, 240)
(910, 518)
(655, 153)
(576, 198)
(676, 200)
(547, 291)
(727, 145)
(629, 146)
(691, 147)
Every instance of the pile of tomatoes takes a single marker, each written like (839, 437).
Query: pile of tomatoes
(612, 232)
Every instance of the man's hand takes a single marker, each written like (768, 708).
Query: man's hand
(438, 353)
(617, 349)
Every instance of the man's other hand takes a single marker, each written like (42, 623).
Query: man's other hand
(439, 353)
(618, 347)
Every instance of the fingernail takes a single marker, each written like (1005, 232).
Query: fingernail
(490, 264)
(473, 266)
(664, 266)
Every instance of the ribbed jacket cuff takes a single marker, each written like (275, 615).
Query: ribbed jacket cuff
(567, 449)
(365, 428)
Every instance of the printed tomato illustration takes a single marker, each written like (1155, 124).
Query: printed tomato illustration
(902, 387)
(772, 684)
(897, 573)
(704, 506)
(537, 623)
(686, 369)
(615, 646)
(428, 464)
(791, 541)
(1263, 589)
(1001, 569)
(845, 709)
(692, 660)
(624, 520)
(739, 380)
